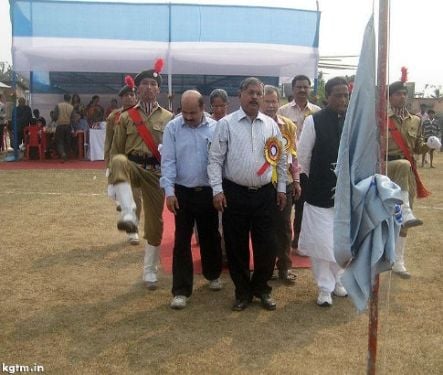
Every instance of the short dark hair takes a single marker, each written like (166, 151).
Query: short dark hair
(66, 97)
(249, 82)
(300, 77)
(334, 82)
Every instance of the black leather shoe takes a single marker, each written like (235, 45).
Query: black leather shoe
(412, 223)
(240, 304)
(287, 276)
(267, 302)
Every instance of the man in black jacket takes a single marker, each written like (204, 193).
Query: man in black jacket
(317, 155)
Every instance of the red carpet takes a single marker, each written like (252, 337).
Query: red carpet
(169, 226)
(52, 164)
(168, 243)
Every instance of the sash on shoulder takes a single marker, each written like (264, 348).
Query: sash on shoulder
(144, 132)
(422, 192)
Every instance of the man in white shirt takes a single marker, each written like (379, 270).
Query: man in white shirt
(317, 154)
(297, 110)
(246, 147)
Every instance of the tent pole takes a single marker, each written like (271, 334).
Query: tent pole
(170, 85)
(383, 40)
(15, 144)
(317, 59)
(168, 59)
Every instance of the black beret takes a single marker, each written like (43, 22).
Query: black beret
(397, 86)
(125, 89)
(151, 73)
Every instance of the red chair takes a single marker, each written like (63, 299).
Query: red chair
(33, 138)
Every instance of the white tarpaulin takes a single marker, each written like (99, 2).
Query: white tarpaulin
(199, 37)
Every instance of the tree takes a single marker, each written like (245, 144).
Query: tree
(433, 91)
(437, 94)
(5, 72)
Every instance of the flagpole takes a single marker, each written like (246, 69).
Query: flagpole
(383, 32)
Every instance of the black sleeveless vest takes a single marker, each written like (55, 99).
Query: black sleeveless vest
(322, 179)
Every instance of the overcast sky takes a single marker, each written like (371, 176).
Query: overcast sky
(415, 40)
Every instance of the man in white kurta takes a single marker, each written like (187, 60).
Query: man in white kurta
(317, 155)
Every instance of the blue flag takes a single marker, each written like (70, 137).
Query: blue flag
(365, 229)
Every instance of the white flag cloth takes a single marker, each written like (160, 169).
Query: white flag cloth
(364, 226)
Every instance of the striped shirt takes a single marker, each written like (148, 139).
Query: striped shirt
(430, 128)
(237, 152)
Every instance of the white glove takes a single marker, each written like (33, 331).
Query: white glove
(111, 192)
(434, 143)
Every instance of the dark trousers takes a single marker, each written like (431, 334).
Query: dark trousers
(2, 130)
(249, 211)
(63, 139)
(282, 233)
(195, 206)
(298, 209)
(15, 143)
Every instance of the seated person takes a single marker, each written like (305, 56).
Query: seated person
(40, 119)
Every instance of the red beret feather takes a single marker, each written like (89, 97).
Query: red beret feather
(404, 74)
(129, 81)
(158, 65)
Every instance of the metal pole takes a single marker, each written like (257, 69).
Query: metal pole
(317, 38)
(15, 144)
(169, 61)
(383, 40)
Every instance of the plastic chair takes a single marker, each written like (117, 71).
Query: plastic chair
(33, 139)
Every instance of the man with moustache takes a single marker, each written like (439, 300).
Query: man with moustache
(297, 110)
(317, 154)
(185, 181)
(135, 161)
(282, 229)
(246, 146)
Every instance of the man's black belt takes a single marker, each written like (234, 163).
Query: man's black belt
(196, 189)
(146, 162)
(249, 189)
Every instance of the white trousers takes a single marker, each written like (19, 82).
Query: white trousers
(326, 274)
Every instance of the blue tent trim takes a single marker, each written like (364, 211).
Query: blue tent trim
(165, 22)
